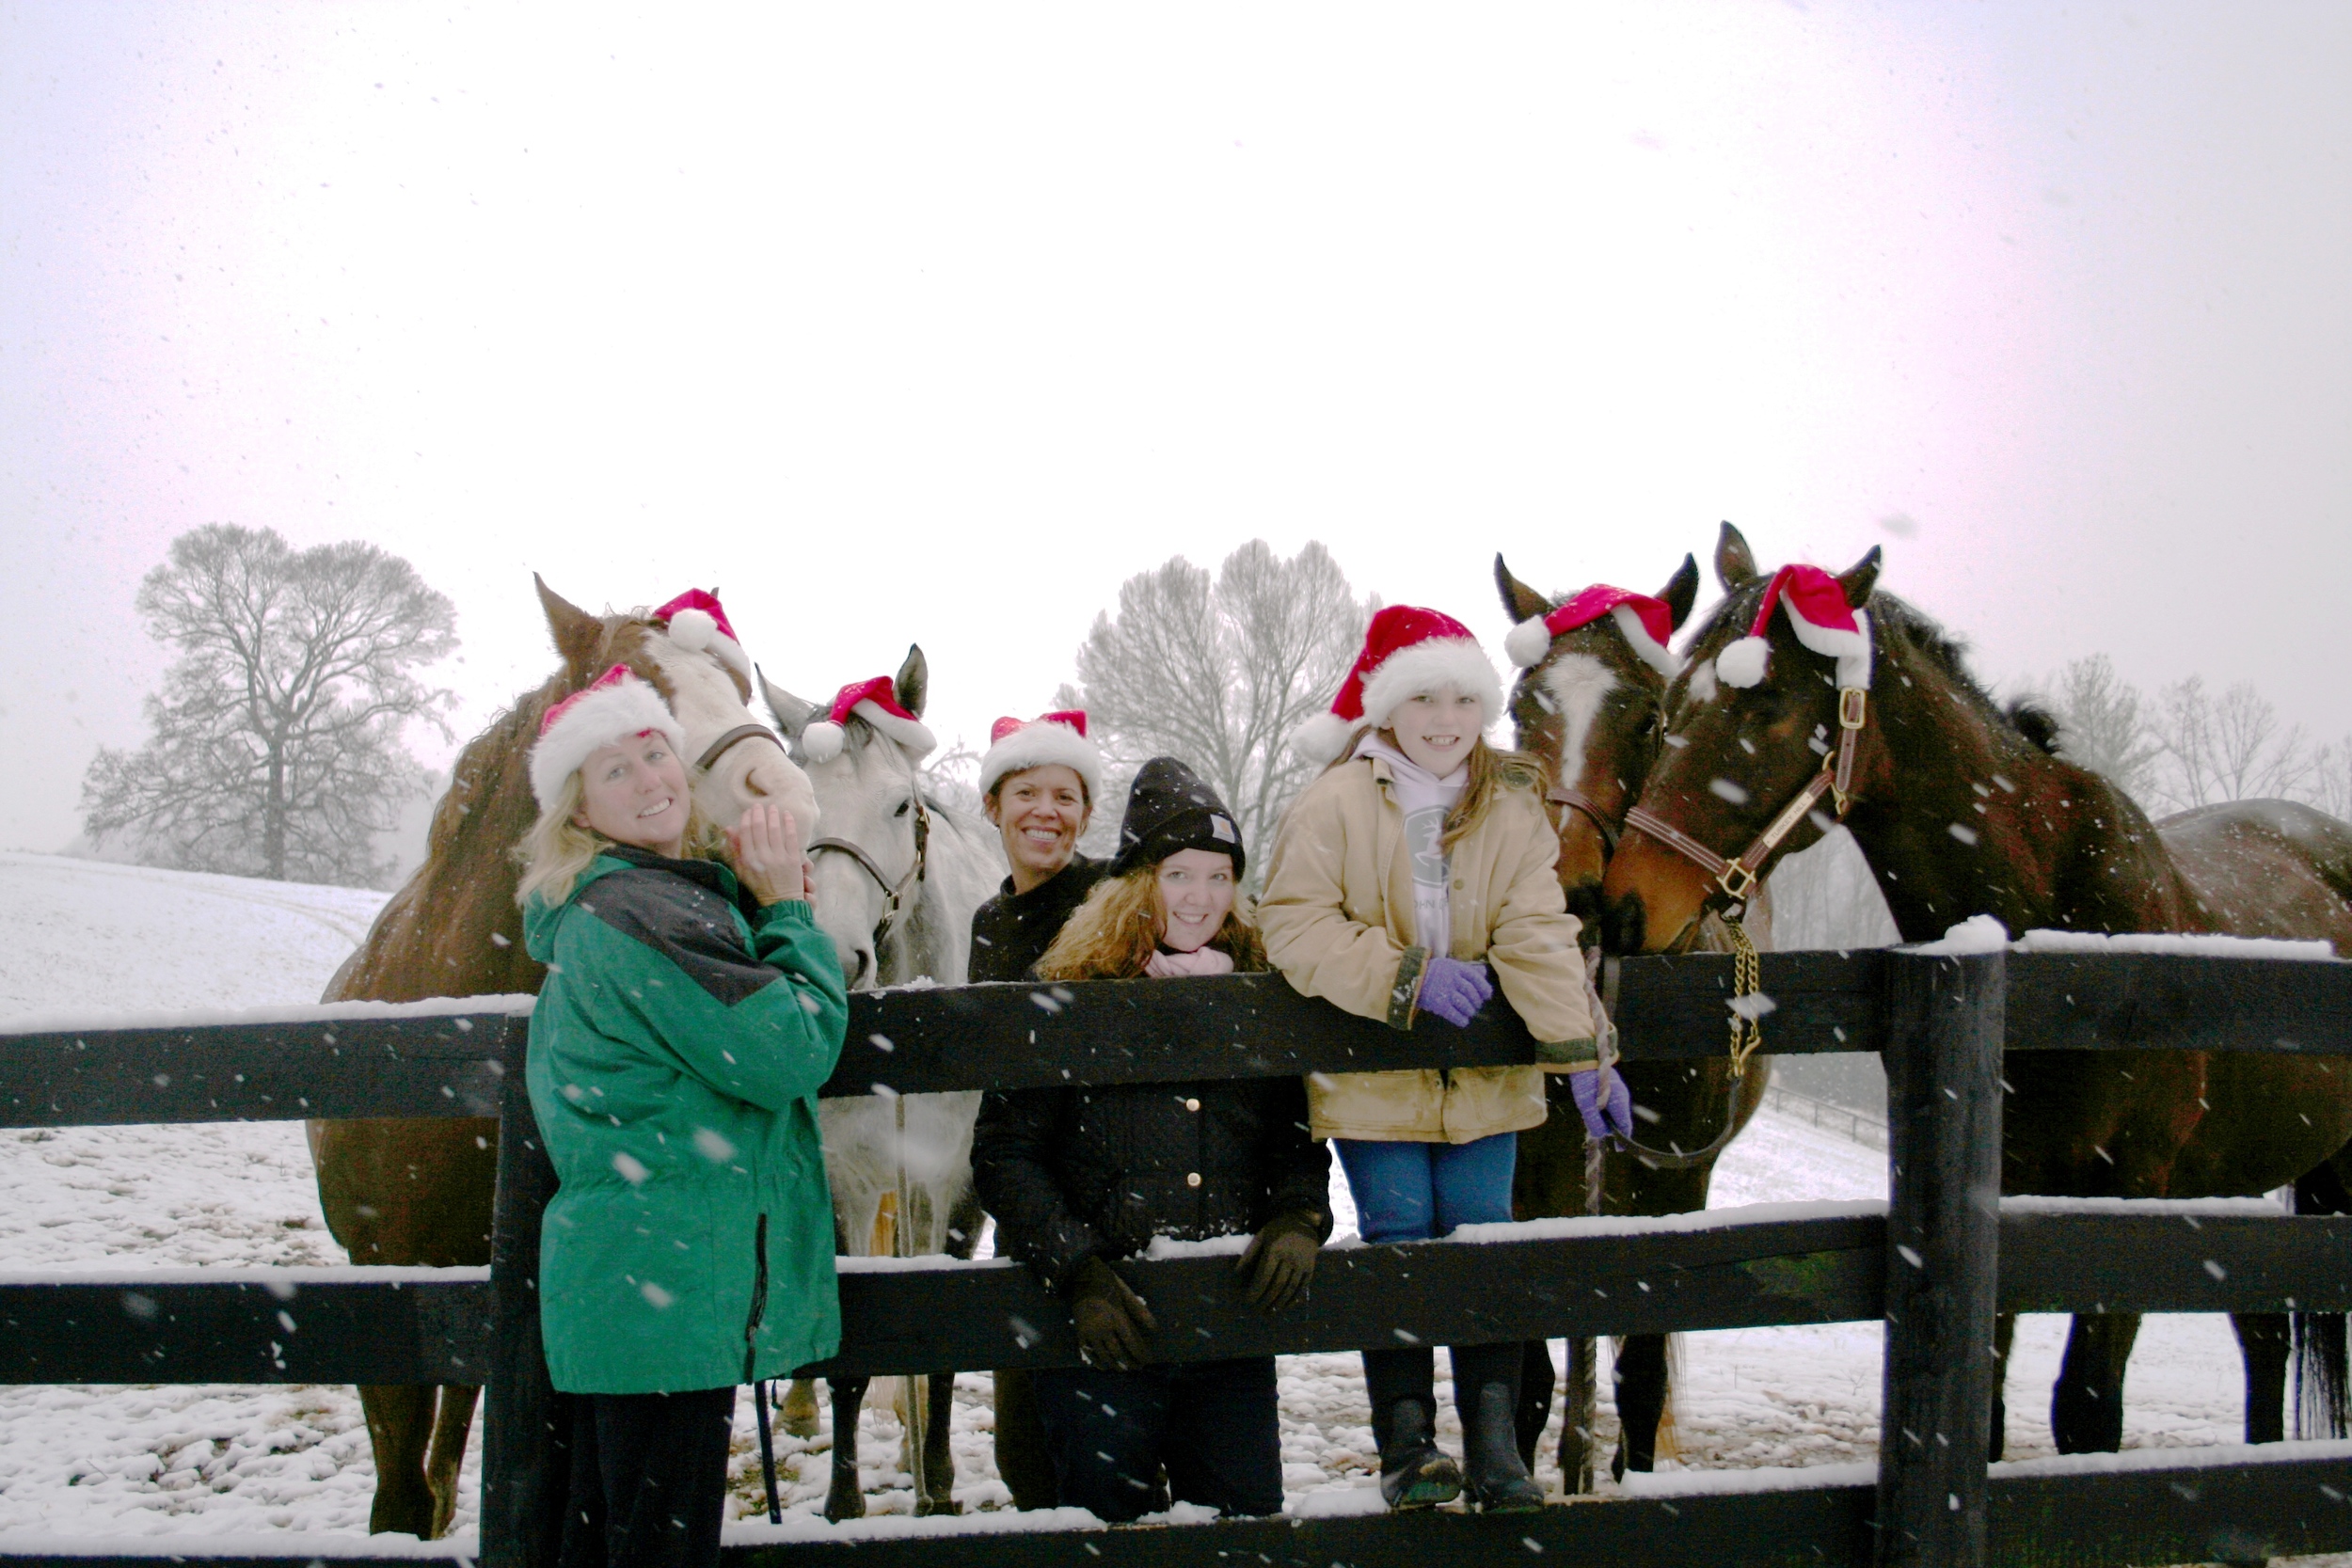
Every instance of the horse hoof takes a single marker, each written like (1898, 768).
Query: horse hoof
(926, 1508)
(798, 1409)
(841, 1503)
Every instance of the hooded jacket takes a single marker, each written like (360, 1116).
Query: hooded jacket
(675, 1055)
(1336, 917)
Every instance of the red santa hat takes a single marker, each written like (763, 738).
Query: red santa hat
(1823, 622)
(1015, 745)
(612, 708)
(1408, 651)
(698, 623)
(877, 702)
(1645, 622)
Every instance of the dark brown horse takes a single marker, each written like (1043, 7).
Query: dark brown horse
(1589, 710)
(1961, 809)
(418, 1193)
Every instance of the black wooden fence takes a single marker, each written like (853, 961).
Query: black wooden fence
(1936, 1266)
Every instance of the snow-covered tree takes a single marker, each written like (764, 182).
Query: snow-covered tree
(277, 749)
(2232, 747)
(2103, 725)
(1220, 672)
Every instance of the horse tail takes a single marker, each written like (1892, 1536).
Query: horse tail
(2322, 1378)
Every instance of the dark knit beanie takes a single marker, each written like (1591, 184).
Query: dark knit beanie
(1169, 809)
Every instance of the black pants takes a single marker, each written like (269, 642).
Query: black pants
(1210, 1423)
(648, 1480)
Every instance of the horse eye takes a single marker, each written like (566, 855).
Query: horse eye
(905, 806)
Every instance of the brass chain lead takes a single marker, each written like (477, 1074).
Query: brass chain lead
(1747, 979)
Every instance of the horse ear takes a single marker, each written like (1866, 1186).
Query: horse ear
(1681, 591)
(915, 680)
(577, 634)
(791, 713)
(1519, 602)
(1735, 563)
(1859, 578)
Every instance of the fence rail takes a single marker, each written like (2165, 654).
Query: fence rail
(1934, 1263)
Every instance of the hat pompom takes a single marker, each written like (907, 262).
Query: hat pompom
(1744, 663)
(1319, 738)
(692, 630)
(821, 741)
(1528, 643)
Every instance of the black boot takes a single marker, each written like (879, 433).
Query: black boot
(1487, 1393)
(1403, 1388)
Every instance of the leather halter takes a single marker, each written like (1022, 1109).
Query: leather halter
(1576, 801)
(1737, 877)
(895, 905)
(718, 748)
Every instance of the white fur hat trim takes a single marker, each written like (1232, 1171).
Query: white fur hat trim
(597, 719)
(1041, 744)
(1426, 666)
(696, 631)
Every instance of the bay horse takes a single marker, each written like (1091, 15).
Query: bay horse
(419, 1192)
(1588, 710)
(899, 875)
(1961, 809)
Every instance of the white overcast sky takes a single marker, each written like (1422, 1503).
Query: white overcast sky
(901, 323)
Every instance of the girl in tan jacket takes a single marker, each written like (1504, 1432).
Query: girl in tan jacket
(1414, 877)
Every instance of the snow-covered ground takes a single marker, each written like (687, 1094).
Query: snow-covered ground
(227, 1460)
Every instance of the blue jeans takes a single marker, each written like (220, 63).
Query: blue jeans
(1210, 1423)
(1413, 1191)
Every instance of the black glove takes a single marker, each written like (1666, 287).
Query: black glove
(1281, 1259)
(1114, 1325)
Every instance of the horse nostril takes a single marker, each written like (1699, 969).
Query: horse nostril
(864, 967)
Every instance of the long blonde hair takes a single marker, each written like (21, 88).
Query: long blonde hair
(557, 850)
(1118, 928)
(1492, 770)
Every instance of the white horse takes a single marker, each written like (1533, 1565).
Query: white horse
(897, 878)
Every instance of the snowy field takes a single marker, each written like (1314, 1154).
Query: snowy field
(118, 1461)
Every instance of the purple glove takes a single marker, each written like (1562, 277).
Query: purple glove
(1454, 989)
(1614, 1120)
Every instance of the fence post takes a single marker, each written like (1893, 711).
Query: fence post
(1945, 1018)
(525, 1438)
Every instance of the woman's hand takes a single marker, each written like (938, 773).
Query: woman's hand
(765, 844)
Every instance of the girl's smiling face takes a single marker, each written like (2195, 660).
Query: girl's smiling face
(1040, 812)
(634, 792)
(1437, 729)
(1197, 893)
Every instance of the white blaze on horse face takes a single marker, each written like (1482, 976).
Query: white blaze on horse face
(864, 794)
(704, 697)
(1703, 687)
(1578, 684)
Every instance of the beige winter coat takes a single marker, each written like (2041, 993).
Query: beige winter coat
(1337, 917)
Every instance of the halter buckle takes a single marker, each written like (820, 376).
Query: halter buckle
(1737, 881)
(1853, 703)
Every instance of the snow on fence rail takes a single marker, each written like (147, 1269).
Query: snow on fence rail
(1935, 1267)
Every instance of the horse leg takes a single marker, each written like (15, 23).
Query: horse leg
(2087, 1406)
(800, 1407)
(400, 1425)
(935, 1483)
(2004, 1336)
(2263, 1340)
(846, 1497)
(1641, 1384)
(1536, 1382)
(1575, 1419)
(452, 1423)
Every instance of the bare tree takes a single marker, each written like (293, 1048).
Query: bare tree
(277, 749)
(2103, 725)
(2226, 748)
(1220, 672)
(2330, 786)
(951, 777)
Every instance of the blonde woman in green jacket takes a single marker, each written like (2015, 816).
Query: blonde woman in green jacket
(690, 1014)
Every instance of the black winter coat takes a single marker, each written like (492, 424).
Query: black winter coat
(1079, 1173)
(1013, 930)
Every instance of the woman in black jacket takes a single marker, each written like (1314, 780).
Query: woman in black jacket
(1078, 1176)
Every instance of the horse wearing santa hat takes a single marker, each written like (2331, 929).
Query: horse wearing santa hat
(898, 876)
(419, 1192)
